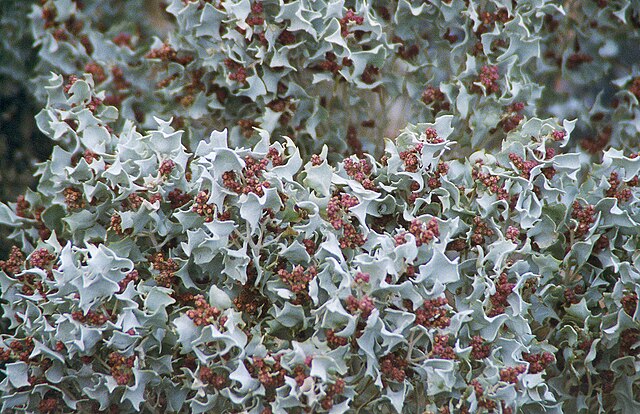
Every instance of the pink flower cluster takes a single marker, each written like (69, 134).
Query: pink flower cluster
(338, 206)
(558, 135)
(410, 158)
(316, 160)
(237, 73)
(360, 171)
(423, 232)
(488, 77)
(491, 182)
(513, 234)
(432, 137)
(41, 258)
(525, 167)
(362, 277)
(256, 18)
(166, 167)
(499, 299)
(349, 17)
(298, 279)
(364, 306)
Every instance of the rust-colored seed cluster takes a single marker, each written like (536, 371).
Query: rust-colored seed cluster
(337, 208)
(166, 267)
(18, 350)
(178, 198)
(91, 318)
(434, 96)
(268, 371)
(121, 367)
(512, 234)
(480, 348)
(168, 54)
(393, 367)
(209, 377)
(14, 263)
(256, 17)
(431, 136)
(441, 348)
(41, 258)
(237, 72)
(202, 207)
(621, 194)
(441, 170)
(131, 277)
(334, 390)
(628, 338)
(166, 167)
(73, 198)
(480, 230)
(433, 314)
(510, 374)
(513, 117)
(585, 216)
(96, 71)
(410, 158)
(335, 341)
(251, 179)
(204, 313)
(571, 294)
(48, 405)
(538, 362)
(116, 224)
(629, 303)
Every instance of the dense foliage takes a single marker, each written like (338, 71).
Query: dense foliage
(222, 225)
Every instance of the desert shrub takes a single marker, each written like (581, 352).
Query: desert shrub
(222, 226)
